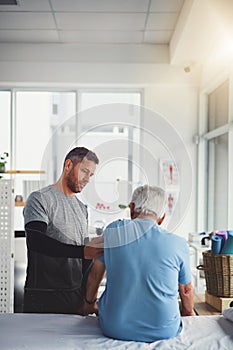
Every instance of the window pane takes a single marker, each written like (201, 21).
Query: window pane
(38, 114)
(5, 111)
(218, 183)
(218, 107)
(116, 141)
(92, 99)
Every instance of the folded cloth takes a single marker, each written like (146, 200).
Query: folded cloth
(228, 314)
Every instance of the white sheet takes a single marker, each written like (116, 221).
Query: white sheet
(228, 314)
(71, 332)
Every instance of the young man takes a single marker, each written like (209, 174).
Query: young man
(146, 267)
(56, 231)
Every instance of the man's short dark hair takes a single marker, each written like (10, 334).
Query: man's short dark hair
(78, 153)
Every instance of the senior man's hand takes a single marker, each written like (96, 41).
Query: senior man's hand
(94, 248)
(87, 309)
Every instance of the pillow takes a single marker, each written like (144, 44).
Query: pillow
(228, 314)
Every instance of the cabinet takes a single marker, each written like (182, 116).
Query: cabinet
(6, 246)
(13, 256)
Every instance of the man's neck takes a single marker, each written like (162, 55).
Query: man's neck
(61, 186)
(149, 216)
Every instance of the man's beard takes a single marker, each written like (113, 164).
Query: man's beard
(71, 184)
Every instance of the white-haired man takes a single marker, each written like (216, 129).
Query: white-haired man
(146, 267)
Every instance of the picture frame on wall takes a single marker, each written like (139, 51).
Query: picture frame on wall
(169, 173)
(169, 179)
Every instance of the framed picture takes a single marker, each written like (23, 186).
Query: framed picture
(169, 179)
(168, 173)
(172, 198)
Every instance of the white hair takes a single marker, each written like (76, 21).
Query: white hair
(149, 200)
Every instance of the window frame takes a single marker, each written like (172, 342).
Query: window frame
(204, 180)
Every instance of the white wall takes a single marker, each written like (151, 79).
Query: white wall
(178, 104)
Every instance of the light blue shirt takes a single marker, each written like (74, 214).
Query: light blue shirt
(144, 266)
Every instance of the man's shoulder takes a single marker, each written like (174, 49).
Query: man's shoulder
(174, 237)
(40, 193)
(118, 223)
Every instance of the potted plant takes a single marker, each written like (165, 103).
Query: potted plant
(3, 161)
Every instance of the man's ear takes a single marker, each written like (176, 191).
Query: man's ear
(68, 165)
(131, 206)
(160, 220)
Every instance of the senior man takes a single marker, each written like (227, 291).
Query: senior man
(146, 268)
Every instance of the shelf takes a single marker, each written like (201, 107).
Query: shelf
(24, 172)
(23, 182)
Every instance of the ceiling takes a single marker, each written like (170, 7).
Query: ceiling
(89, 21)
(176, 32)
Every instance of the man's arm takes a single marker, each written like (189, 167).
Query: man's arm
(187, 299)
(93, 282)
(94, 248)
(38, 242)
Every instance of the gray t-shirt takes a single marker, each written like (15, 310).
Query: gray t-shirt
(66, 219)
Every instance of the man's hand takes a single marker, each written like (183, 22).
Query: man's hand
(188, 313)
(94, 248)
(87, 309)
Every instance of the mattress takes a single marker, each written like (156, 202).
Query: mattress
(71, 332)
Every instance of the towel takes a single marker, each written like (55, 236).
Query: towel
(228, 314)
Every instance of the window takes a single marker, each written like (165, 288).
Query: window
(34, 133)
(45, 126)
(217, 138)
(218, 182)
(5, 129)
(218, 106)
(36, 123)
(111, 130)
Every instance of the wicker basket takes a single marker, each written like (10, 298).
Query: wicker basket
(218, 270)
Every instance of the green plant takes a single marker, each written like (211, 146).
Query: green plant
(3, 161)
(123, 206)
